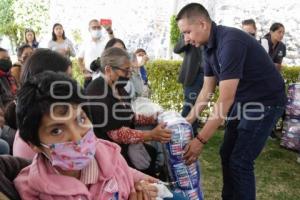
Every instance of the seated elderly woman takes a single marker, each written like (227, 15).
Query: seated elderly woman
(111, 111)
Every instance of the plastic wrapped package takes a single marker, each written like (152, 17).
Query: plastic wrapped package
(291, 134)
(184, 178)
(293, 108)
(294, 91)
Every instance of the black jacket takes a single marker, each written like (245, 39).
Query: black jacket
(9, 168)
(192, 62)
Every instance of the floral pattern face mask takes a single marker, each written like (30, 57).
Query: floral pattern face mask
(73, 155)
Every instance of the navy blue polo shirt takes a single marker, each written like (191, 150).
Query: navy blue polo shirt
(233, 54)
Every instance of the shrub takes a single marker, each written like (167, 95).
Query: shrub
(168, 92)
(165, 89)
(291, 74)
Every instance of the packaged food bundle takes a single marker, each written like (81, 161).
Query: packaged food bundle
(185, 177)
(294, 91)
(291, 134)
(293, 108)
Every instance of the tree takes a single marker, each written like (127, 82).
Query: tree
(16, 15)
(8, 25)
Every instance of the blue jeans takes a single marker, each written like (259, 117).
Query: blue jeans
(244, 139)
(190, 97)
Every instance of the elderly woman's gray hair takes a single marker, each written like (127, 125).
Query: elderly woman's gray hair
(114, 57)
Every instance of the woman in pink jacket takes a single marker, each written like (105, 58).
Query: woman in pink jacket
(71, 163)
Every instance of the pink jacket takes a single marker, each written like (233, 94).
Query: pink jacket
(39, 181)
(21, 148)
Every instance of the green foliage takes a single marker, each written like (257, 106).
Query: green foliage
(16, 15)
(76, 33)
(8, 26)
(76, 73)
(174, 31)
(32, 14)
(291, 74)
(165, 89)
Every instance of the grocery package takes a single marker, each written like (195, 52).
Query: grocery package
(293, 104)
(185, 178)
(291, 134)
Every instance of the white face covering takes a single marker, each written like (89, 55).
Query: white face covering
(96, 34)
(139, 59)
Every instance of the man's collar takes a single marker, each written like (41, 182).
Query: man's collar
(212, 37)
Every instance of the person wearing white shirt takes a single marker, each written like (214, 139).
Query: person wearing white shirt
(92, 48)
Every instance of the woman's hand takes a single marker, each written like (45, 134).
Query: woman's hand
(144, 190)
(161, 134)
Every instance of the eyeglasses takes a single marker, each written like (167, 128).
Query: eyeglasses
(126, 71)
(96, 27)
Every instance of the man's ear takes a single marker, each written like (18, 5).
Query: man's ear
(35, 148)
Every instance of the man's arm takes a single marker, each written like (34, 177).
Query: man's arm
(226, 98)
(203, 98)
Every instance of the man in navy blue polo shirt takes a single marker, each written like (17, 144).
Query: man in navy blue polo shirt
(251, 95)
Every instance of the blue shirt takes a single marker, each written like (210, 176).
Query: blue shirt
(233, 54)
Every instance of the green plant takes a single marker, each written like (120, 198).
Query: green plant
(165, 89)
(174, 31)
(76, 73)
(291, 74)
(16, 15)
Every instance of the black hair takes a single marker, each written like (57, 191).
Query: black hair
(1, 49)
(112, 42)
(22, 48)
(36, 96)
(192, 10)
(43, 60)
(140, 50)
(96, 65)
(54, 38)
(34, 39)
(275, 26)
(249, 22)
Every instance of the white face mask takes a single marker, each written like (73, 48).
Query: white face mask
(139, 59)
(96, 34)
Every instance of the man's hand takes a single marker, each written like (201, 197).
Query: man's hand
(192, 151)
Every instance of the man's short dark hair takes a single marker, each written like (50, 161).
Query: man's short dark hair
(192, 10)
(22, 48)
(93, 20)
(34, 100)
(249, 22)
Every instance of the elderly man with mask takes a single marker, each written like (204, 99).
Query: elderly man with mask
(92, 48)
